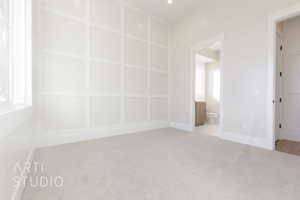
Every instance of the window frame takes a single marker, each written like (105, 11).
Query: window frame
(5, 25)
(20, 55)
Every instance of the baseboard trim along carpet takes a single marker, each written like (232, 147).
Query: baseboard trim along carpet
(53, 138)
(181, 126)
(265, 143)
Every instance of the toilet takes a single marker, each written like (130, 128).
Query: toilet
(212, 118)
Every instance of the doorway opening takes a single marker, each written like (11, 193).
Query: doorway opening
(287, 109)
(207, 65)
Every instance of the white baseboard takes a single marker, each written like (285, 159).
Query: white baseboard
(17, 195)
(54, 138)
(181, 126)
(265, 143)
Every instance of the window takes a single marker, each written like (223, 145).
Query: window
(200, 81)
(4, 51)
(216, 85)
(15, 53)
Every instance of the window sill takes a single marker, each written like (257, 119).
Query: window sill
(11, 117)
(9, 109)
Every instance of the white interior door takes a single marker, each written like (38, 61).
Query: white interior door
(291, 97)
(290, 106)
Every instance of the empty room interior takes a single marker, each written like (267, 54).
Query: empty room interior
(149, 100)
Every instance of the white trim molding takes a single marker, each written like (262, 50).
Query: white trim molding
(182, 126)
(265, 143)
(90, 131)
(54, 138)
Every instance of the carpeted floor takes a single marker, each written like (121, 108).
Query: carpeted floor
(166, 164)
(288, 146)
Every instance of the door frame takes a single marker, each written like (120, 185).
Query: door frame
(194, 49)
(279, 83)
(272, 68)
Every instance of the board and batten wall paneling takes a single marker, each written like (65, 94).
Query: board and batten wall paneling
(101, 64)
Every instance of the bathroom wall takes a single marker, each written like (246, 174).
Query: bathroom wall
(212, 71)
(102, 69)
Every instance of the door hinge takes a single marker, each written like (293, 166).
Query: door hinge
(280, 100)
(280, 125)
(280, 74)
(281, 48)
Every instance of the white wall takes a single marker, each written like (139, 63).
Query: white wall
(16, 144)
(245, 28)
(102, 66)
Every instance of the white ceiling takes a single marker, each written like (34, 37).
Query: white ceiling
(169, 13)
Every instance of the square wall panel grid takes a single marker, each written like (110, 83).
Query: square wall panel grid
(100, 64)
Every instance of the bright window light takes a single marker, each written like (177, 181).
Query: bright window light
(4, 51)
(216, 85)
(200, 81)
(15, 53)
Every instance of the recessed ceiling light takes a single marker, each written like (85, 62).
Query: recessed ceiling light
(170, 1)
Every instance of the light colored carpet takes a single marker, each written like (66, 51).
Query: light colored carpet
(167, 164)
(288, 146)
(208, 129)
